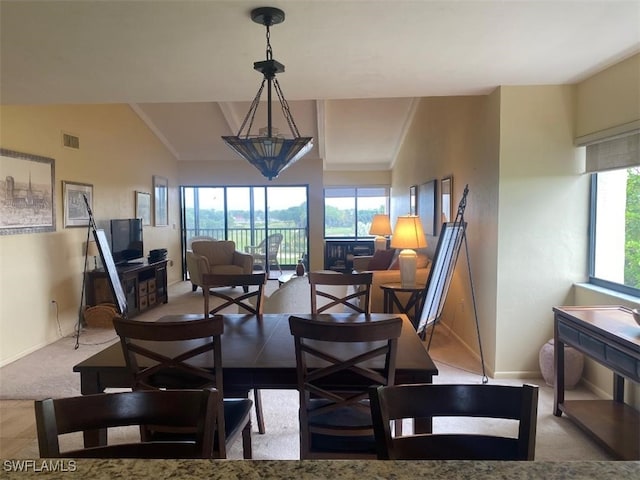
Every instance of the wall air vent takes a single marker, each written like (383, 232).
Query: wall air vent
(70, 141)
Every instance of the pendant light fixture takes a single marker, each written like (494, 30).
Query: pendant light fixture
(269, 151)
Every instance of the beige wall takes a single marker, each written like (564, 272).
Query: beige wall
(609, 98)
(542, 220)
(118, 155)
(458, 136)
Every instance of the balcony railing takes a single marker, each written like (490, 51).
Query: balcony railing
(293, 246)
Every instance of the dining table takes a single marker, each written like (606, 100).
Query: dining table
(258, 352)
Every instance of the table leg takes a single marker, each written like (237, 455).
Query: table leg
(618, 388)
(90, 384)
(558, 388)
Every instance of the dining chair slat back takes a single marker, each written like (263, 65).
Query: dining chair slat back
(156, 356)
(332, 357)
(243, 301)
(245, 305)
(357, 299)
(508, 402)
(192, 410)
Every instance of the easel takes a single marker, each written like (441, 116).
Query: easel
(452, 236)
(90, 228)
(109, 266)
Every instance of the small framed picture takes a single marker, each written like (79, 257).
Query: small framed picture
(427, 206)
(143, 207)
(76, 213)
(161, 201)
(413, 200)
(446, 205)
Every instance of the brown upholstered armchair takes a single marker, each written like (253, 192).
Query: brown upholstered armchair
(216, 256)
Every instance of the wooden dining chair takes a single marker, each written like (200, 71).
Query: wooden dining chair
(332, 357)
(519, 403)
(193, 410)
(184, 354)
(355, 300)
(244, 302)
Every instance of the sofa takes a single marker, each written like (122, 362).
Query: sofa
(216, 256)
(385, 268)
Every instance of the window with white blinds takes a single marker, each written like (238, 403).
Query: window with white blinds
(614, 248)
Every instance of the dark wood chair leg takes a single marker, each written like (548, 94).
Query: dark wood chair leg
(257, 400)
(247, 453)
(194, 287)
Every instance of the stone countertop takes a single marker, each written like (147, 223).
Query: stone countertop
(314, 469)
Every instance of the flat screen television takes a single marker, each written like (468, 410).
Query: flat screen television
(126, 240)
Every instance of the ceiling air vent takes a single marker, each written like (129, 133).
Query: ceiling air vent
(70, 141)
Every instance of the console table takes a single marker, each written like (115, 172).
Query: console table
(610, 336)
(144, 284)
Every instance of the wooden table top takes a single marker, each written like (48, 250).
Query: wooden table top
(258, 352)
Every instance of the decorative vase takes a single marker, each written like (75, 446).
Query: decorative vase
(573, 365)
(300, 269)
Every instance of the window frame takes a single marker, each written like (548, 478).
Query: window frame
(355, 237)
(593, 280)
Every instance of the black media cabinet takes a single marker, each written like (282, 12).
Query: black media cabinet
(144, 285)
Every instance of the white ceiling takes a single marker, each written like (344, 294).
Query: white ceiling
(354, 69)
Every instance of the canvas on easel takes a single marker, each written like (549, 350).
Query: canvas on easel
(452, 236)
(441, 273)
(112, 271)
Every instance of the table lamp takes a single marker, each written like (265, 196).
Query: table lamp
(407, 235)
(92, 251)
(380, 226)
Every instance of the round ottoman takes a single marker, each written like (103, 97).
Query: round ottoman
(573, 365)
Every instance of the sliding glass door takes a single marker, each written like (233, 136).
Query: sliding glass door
(248, 215)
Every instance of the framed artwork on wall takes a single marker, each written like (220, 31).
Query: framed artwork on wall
(413, 200)
(73, 204)
(427, 207)
(446, 205)
(27, 190)
(143, 207)
(161, 201)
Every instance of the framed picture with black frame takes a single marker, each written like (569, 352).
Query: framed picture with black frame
(413, 199)
(446, 205)
(427, 206)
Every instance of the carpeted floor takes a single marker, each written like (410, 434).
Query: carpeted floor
(557, 438)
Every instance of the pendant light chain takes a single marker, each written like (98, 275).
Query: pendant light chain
(285, 109)
(269, 50)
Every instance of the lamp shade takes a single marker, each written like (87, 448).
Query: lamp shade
(408, 233)
(380, 225)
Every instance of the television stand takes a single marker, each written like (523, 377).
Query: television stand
(144, 285)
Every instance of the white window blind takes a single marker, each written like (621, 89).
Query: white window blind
(611, 149)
